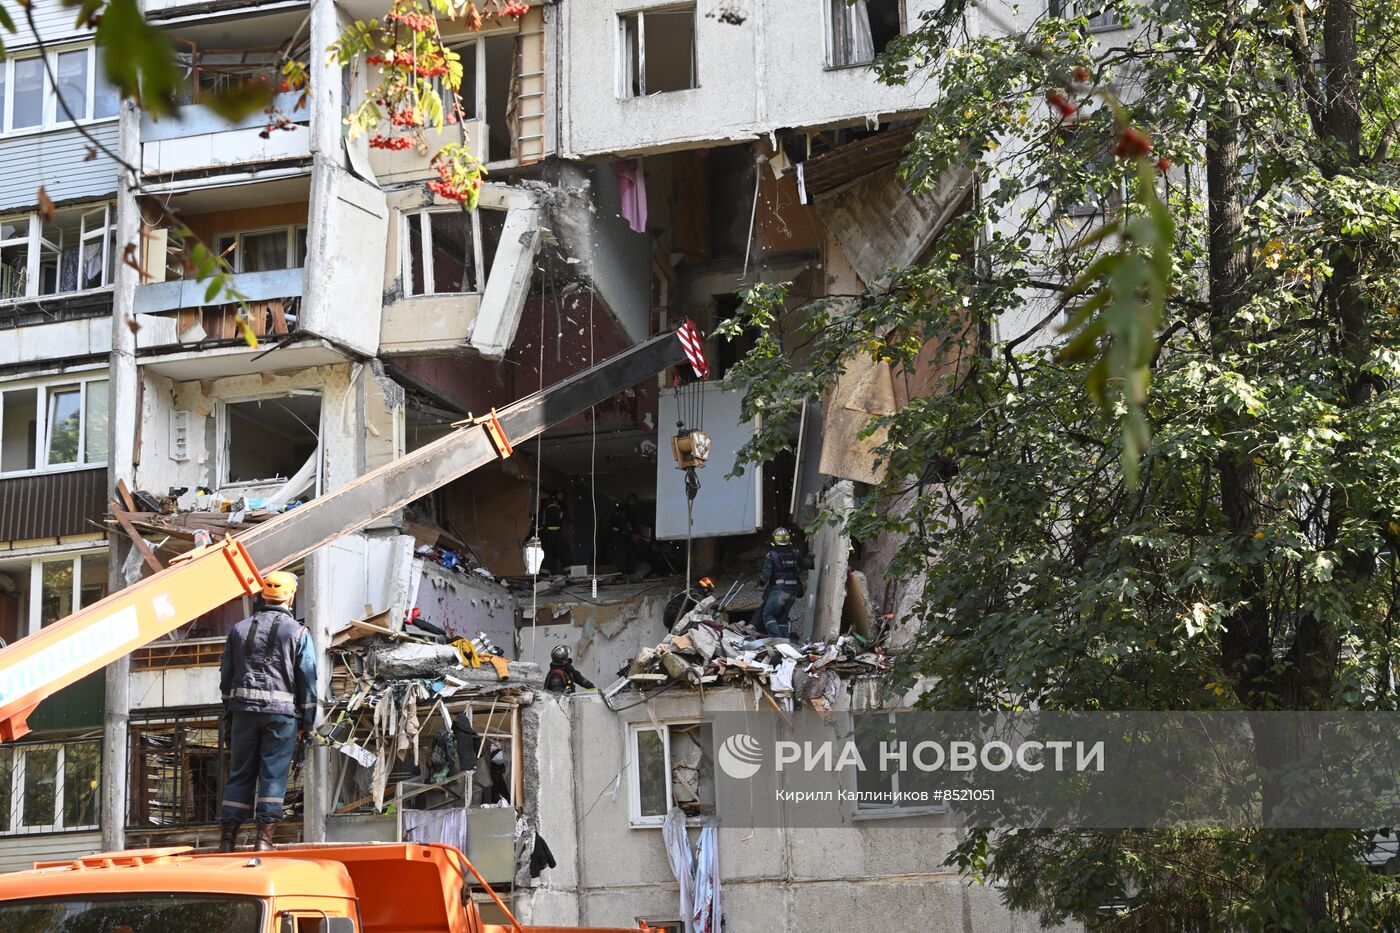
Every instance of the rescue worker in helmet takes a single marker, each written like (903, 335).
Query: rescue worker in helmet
(782, 576)
(686, 600)
(563, 676)
(268, 680)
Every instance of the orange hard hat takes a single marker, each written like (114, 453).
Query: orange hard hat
(706, 584)
(279, 586)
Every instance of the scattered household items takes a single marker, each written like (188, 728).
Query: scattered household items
(268, 680)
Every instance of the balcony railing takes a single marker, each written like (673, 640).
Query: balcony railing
(197, 138)
(175, 312)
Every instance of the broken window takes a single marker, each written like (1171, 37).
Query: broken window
(440, 255)
(470, 93)
(78, 87)
(49, 787)
(656, 52)
(53, 426)
(71, 253)
(859, 30)
(268, 440)
(673, 768)
(264, 250)
(176, 768)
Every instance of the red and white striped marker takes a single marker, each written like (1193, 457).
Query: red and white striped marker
(694, 346)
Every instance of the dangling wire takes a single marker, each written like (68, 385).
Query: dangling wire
(593, 450)
(539, 459)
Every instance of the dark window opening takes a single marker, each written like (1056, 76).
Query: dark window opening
(271, 439)
(175, 774)
(657, 52)
(500, 78)
(861, 30)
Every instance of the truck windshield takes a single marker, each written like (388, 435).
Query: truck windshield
(142, 913)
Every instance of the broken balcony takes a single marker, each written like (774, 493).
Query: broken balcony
(260, 231)
(214, 58)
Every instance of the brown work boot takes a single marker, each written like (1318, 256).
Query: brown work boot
(265, 831)
(228, 837)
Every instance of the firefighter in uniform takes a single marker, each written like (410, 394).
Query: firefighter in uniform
(557, 556)
(563, 676)
(268, 679)
(782, 577)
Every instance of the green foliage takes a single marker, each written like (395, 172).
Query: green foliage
(1248, 559)
(139, 59)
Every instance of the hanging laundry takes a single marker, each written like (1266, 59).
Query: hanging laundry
(632, 192)
(540, 857)
(682, 866)
(448, 826)
(706, 912)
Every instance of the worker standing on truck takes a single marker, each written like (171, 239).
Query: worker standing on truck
(268, 680)
(782, 576)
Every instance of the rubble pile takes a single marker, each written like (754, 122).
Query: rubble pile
(703, 650)
(396, 695)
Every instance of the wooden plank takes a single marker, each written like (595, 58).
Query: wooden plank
(774, 703)
(125, 521)
(279, 316)
(126, 498)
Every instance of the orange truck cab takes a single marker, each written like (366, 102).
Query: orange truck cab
(383, 888)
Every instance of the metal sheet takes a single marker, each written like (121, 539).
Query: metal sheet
(52, 505)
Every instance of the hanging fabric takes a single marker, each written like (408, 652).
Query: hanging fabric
(682, 865)
(632, 192)
(706, 913)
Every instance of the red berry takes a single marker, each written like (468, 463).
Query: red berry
(1132, 143)
(1062, 104)
(1081, 75)
(1164, 164)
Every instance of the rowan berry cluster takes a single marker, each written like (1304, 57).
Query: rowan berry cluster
(379, 141)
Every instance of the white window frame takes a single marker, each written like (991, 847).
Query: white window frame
(53, 116)
(624, 78)
(874, 810)
(425, 236)
(19, 763)
(830, 37)
(221, 438)
(477, 43)
(41, 434)
(1068, 9)
(34, 240)
(236, 259)
(634, 795)
(35, 610)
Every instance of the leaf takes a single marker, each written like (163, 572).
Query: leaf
(138, 57)
(240, 100)
(46, 205)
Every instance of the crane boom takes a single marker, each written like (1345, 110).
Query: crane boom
(38, 665)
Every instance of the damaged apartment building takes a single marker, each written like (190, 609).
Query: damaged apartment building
(648, 162)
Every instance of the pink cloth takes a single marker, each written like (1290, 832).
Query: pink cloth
(632, 191)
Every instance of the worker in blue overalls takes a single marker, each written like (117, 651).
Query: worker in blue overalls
(268, 680)
(782, 575)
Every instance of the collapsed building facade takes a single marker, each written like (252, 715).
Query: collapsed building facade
(639, 177)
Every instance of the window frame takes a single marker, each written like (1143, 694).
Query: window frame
(635, 817)
(873, 810)
(1066, 9)
(421, 215)
(236, 259)
(624, 81)
(19, 762)
(829, 27)
(34, 239)
(52, 116)
(42, 391)
(222, 439)
(34, 612)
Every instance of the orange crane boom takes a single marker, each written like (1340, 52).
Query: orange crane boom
(38, 665)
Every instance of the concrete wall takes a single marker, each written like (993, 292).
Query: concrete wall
(765, 73)
(875, 875)
(345, 259)
(90, 337)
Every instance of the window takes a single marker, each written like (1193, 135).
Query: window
(61, 582)
(870, 730)
(270, 440)
(859, 30)
(49, 787)
(73, 253)
(79, 88)
(656, 52)
(673, 768)
(1097, 17)
(264, 250)
(440, 255)
(54, 425)
(176, 768)
(472, 91)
